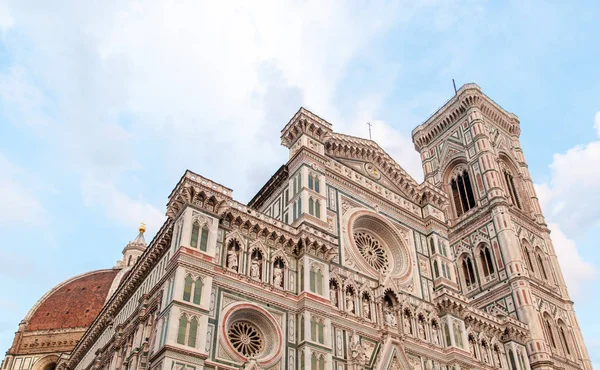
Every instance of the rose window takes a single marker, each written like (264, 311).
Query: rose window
(377, 246)
(372, 251)
(245, 338)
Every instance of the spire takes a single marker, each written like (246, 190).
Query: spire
(133, 250)
(140, 238)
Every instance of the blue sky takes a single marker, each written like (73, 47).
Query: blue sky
(103, 105)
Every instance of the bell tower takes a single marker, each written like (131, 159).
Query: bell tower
(504, 256)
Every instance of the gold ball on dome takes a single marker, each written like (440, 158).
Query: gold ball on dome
(142, 227)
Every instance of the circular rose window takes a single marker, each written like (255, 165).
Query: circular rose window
(377, 245)
(245, 338)
(250, 332)
(372, 250)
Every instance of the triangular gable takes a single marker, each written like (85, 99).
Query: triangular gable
(375, 174)
(393, 357)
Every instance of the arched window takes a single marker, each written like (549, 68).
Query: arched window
(447, 334)
(316, 280)
(311, 206)
(204, 239)
(468, 272)
(302, 327)
(299, 207)
(436, 269)
(195, 231)
(321, 331)
(485, 256)
(182, 329)
(462, 192)
(313, 361)
(322, 363)
(294, 212)
(187, 288)
(197, 291)
(317, 184)
(549, 333)
(310, 182)
(541, 266)
(527, 254)
(193, 332)
(432, 246)
(129, 261)
(319, 282)
(563, 337)
(313, 329)
(302, 360)
(317, 209)
(511, 357)
(512, 190)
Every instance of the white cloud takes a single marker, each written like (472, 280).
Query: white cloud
(6, 20)
(120, 207)
(196, 83)
(18, 204)
(576, 271)
(573, 173)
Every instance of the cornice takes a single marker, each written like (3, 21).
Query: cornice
(469, 95)
(305, 122)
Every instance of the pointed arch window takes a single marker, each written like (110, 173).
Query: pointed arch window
(195, 231)
(511, 357)
(187, 288)
(302, 327)
(197, 291)
(512, 190)
(549, 332)
(310, 182)
(193, 332)
(317, 184)
(294, 212)
(311, 206)
(468, 272)
(485, 255)
(313, 329)
(541, 266)
(563, 337)
(462, 192)
(182, 329)
(436, 269)
(204, 238)
(317, 209)
(313, 361)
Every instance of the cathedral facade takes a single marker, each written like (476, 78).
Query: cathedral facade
(342, 261)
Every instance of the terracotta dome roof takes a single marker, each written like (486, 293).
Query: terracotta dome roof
(74, 303)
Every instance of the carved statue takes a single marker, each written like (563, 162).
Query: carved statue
(422, 329)
(255, 269)
(407, 325)
(232, 259)
(278, 277)
(366, 309)
(484, 355)
(472, 345)
(349, 304)
(434, 336)
(333, 297)
(390, 318)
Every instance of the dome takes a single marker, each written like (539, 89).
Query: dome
(58, 319)
(74, 303)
